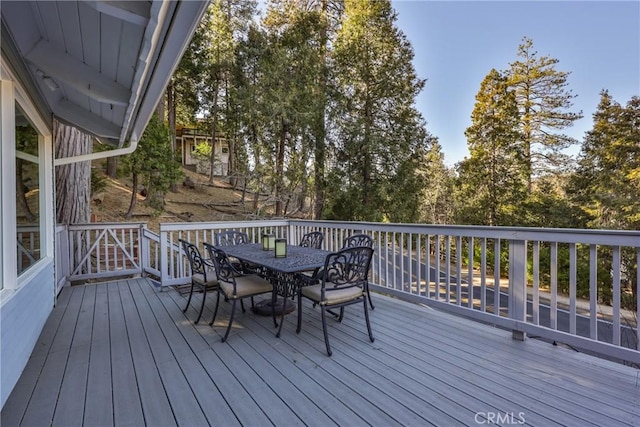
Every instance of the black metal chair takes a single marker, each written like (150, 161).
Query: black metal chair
(201, 274)
(232, 237)
(226, 238)
(233, 284)
(360, 240)
(312, 240)
(343, 283)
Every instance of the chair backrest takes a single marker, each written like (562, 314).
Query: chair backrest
(197, 263)
(358, 240)
(346, 268)
(228, 238)
(225, 271)
(312, 240)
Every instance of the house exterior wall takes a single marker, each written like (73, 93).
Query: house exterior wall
(188, 142)
(23, 314)
(26, 297)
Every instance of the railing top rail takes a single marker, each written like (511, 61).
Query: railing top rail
(101, 225)
(561, 235)
(178, 226)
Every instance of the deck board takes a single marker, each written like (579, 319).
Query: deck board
(124, 353)
(70, 406)
(550, 387)
(127, 407)
(155, 403)
(41, 406)
(477, 390)
(99, 399)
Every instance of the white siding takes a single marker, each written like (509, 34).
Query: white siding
(23, 313)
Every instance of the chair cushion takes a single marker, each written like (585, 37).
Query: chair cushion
(247, 286)
(338, 296)
(198, 278)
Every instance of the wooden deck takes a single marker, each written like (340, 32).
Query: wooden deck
(123, 353)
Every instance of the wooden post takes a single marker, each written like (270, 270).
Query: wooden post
(518, 284)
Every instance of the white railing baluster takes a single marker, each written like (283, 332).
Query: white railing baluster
(447, 269)
(483, 274)
(593, 292)
(496, 276)
(458, 270)
(535, 300)
(553, 309)
(436, 244)
(573, 293)
(616, 295)
(470, 272)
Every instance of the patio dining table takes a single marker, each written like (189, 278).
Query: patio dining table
(282, 272)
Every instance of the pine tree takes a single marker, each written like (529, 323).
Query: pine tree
(491, 182)
(606, 185)
(543, 102)
(291, 103)
(376, 128)
(152, 165)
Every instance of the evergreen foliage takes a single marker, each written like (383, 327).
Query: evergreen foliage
(491, 182)
(378, 131)
(152, 165)
(543, 102)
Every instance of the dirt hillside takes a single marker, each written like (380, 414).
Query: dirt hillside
(199, 201)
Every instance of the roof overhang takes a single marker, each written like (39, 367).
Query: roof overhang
(99, 65)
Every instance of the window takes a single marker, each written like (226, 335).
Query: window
(28, 198)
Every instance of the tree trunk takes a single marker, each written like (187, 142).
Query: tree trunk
(171, 107)
(320, 131)
(134, 196)
(112, 167)
(160, 109)
(214, 131)
(22, 197)
(319, 171)
(280, 168)
(73, 181)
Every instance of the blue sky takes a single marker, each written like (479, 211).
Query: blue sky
(456, 43)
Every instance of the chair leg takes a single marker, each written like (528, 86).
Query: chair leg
(299, 325)
(204, 298)
(274, 300)
(215, 311)
(242, 306)
(366, 317)
(188, 299)
(369, 297)
(324, 330)
(341, 315)
(233, 310)
(284, 310)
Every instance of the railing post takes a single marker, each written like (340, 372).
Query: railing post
(143, 249)
(164, 257)
(518, 284)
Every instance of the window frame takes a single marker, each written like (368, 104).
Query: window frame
(12, 93)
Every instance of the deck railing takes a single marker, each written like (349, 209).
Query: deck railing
(105, 250)
(577, 287)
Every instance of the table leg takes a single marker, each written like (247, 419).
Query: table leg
(284, 310)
